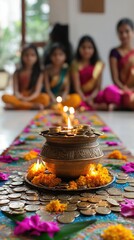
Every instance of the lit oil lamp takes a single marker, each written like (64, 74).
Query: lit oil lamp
(35, 169)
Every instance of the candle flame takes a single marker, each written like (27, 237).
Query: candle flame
(71, 110)
(65, 109)
(69, 123)
(59, 99)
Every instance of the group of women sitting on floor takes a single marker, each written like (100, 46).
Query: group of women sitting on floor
(36, 89)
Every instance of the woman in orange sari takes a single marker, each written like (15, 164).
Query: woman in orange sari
(86, 74)
(122, 67)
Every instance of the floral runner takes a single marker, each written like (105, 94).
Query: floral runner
(26, 147)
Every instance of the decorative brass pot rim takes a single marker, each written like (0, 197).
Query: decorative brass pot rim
(50, 160)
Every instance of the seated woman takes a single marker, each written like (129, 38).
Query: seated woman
(56, 78)
(27, 83)
(122, 67)
(86, 74)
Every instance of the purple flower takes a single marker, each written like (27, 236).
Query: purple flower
(106, 129)
(36, 150)
(7, 158)
(35, 226)
(128, 167)
(18, 142)
(4, 176)
(127, 208)
(112, 143)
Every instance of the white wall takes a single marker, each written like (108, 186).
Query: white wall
(99, 26)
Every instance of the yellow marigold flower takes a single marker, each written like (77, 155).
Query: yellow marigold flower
(56, 206)
(81, 181)
(116, 154)
(35, 169)
(103, 136)
(72, 185)
(30, 155)
(117, 232)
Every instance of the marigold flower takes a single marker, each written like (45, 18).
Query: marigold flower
(117, 232)
(30, 155)
(72, 185)
(56, 206)
(49, 180)
(116, 154)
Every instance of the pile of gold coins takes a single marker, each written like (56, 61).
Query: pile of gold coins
(17, 198)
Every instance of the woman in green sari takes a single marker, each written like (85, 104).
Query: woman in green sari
(56, 78)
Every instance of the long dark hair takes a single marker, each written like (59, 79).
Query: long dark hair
(56, 46)
(36, 69)
(126, 21)
(95, 56)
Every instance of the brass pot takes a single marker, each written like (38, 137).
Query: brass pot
(70, 156)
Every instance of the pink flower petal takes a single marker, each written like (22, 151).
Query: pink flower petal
(127, 208)
(128, 167)
(106, 129)
(112, 143)
(4, 176)
(35, 226)
(7, 158)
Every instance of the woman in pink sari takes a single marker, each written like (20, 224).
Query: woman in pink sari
(122, 68)
(86, 74)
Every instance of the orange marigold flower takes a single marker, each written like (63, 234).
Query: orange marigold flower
(116, 154)
(72, 185)
(56, 206)
(117, 232)
(30, 155)
(49, 180)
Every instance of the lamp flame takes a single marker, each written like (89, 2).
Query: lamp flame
(71, 110)
(59, 99)
(69, 123)
(65, 109)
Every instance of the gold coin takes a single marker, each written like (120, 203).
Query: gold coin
(71, 208)
(101, 192)
(121, 181)
(17, 212)
(121, 174)
(1, 189)
(122, 178)
(129, 189)
(47, 218)
(5, 209)
(14, 195)
(32, 198)
(94, 199)
(65, 218)
(114, 191)
(102, 204)
(32, 202)
(115, 209)
(103, 210)
(82, 205)
(87, 195)
(83, 199)
(88, 212)
(131, 184)
(117, 198)
(112, 202)
(130, 180)
(128, 195)
(3, 197)
(3, 192)
(32, 208)
(64, 197)
(16, 183)
(75, 214)
(16, 205)
(4, 201)
(19, 189)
